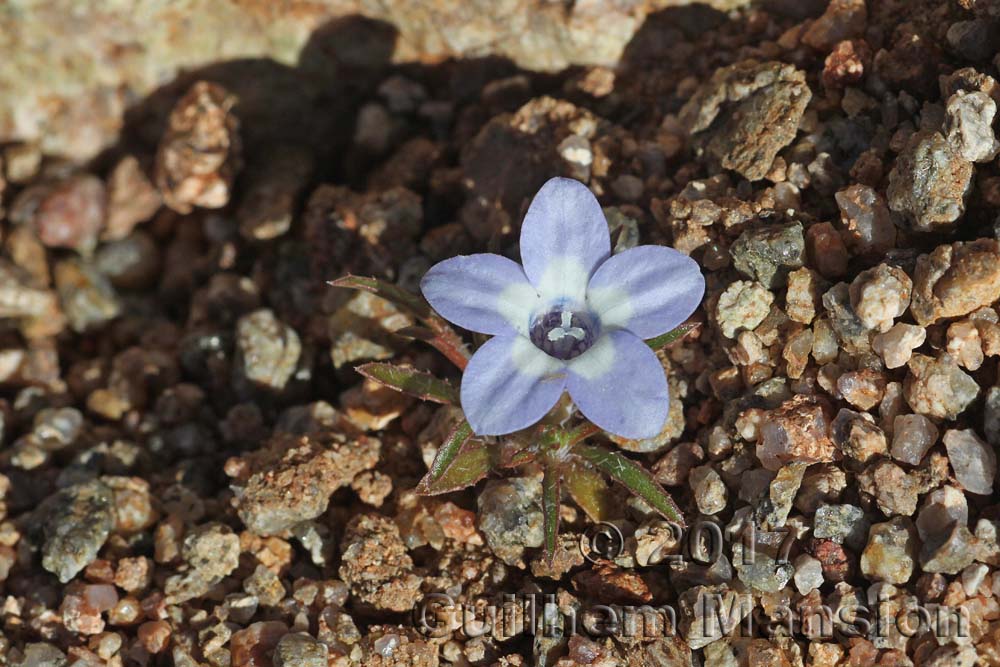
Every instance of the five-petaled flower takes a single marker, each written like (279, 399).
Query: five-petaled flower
(573, 319)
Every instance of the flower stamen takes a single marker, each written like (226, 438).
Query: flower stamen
(564, 334)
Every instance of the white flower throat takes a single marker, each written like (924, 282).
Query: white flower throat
(564, 334)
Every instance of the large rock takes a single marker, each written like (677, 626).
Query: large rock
(72, 69)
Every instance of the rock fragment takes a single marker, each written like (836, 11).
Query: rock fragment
(851, 332)
(827, 251)
(269, 349)
(965, 345)
(781, 494)
(942, 509)
(709, 491)
(361, 329)
(955, 280)
(867, 223)
(949, 555)
(743, 305)
(808, 574)
(767, 569)
(248, 646)
(796, 431)
(842, 20)
(274, 185)
(707, 613)
(132, 199)
(199, 154)
(746, 113)
(929, 182)
(844, 524)
(975, 40)
(131, 263)
(895, 491)
(880, 295)
(891, 552)
(298, 649)
(857, 436)
(973, 461)
(969, 126)
(88, 299)
(376, 565)
(291, 479)
(75, 523)
(767, 254)
(71, 214)
(912, 436)
(510, 517)
(212, 552)
(938, 387)
(896, 345)
(41, 654)
(863, 389)
(530, 138)
(803, 295)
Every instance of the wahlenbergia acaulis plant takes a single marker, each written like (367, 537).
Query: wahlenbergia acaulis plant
(571, 319)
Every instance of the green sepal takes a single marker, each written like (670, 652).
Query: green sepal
(666, 339)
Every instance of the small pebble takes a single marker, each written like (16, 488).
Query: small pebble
(973, 461)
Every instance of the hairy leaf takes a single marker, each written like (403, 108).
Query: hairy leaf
(633, 477)
(460, 462)
(550, 509)
(472, 464)
(408, 380)
(450, 448)
(589, 490)
(388, 291)
(666, 339)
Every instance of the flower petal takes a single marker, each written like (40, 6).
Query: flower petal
(564, 238)
(510, 384)
(648, 290)
(485, 293)
(619, 384)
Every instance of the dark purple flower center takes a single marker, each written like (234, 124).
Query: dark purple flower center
(564, 334)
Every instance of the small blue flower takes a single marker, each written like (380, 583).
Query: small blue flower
(572, 319)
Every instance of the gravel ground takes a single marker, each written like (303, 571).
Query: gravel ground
(191, 472)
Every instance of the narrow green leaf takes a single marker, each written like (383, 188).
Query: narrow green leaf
(461, 461)
(450, 448)
(550, 509)
(397, 295)
(589, 490)
(666, 339)
(633, 477)
(471, 464)
(408, 380)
